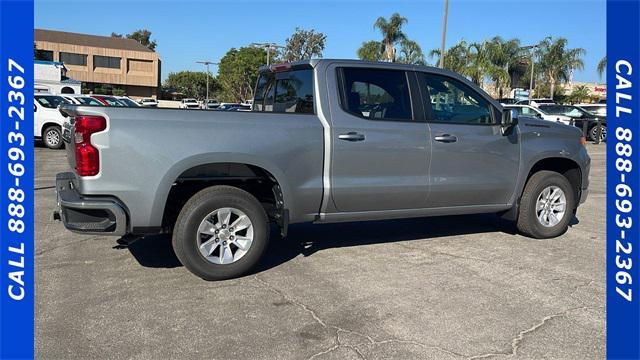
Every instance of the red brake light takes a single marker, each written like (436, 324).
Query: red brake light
(280, 67)
(87, 156)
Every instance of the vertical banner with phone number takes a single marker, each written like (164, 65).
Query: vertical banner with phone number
(623, 179)
(16, 179)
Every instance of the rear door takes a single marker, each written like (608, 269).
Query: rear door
(379, 141)
(472, 162)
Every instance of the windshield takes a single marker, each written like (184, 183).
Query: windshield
(571, 111)
(50, 101)
(88, 101)
(128, 102)
(596, 109)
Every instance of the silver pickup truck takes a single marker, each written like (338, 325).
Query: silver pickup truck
(326, 141)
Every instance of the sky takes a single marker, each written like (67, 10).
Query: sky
(188, 31)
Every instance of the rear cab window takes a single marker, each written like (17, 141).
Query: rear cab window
(288, 91)
(375, 94)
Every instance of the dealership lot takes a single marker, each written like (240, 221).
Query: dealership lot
(436, 288)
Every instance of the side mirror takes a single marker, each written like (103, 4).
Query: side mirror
(509, 118)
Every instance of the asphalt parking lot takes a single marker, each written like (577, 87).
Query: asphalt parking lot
(460, 287)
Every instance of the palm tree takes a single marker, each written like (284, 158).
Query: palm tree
(602, 66)
(557, 61)
(391, 33)
(411, 52)
(456, 58)
(479, 63)
(371, 50)
(579, 94)
(504, 56)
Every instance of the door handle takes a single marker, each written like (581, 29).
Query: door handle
(351, 136)
(446, 138)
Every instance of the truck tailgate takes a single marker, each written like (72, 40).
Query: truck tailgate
(69, 143)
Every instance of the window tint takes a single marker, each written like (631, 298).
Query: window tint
(376, 94)
(454, 102)
(73, 59)
(106, 62)
(289, 92)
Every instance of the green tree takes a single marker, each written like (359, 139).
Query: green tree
(479, 62)
(411, 52)
(602, 66)
(304, 44)
(456, 58)
(557, 61)
(191, 83)
(143, 36)
(371, 51)
(504, 56)
(238, 72)
(579, 94)
(391, 33)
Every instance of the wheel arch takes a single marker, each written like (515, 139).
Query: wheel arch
(48, 123)
(565, 166)
(240, 170)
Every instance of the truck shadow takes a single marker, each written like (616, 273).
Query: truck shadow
(306, 239)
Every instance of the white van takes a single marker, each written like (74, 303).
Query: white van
(48, 120)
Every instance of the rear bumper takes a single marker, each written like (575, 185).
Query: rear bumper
(88, 215)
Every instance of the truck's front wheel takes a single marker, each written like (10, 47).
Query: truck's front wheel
(546, 206)
(221, 233)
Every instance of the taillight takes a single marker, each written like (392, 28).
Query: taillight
(87, 156)
(583, 141)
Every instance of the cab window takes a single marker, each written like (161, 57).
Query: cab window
(287, 92)
(376, 94)
(453, 102)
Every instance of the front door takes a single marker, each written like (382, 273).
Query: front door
(472, 162)
(380, 150)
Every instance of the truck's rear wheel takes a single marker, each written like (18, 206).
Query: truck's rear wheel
(546, 206)
(221, 233)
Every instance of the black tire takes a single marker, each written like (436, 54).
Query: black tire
(185, 232)
(49, 136)
(593, 133)
(528, 222)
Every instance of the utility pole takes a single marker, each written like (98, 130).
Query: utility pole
(207, 63)
(532, 48)
(444, 32)
(268, 47)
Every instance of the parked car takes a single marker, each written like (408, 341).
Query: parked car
(108, 100)
(127, 101)
(228, 106)
(507, 101)
(48, 120)
(242, 107)
(535, 102)
(189, 104)
(211, 104)
(149, 102)
(528, 110)
(580, 116)
(434, 144)
(596, 109)
(81, 99)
